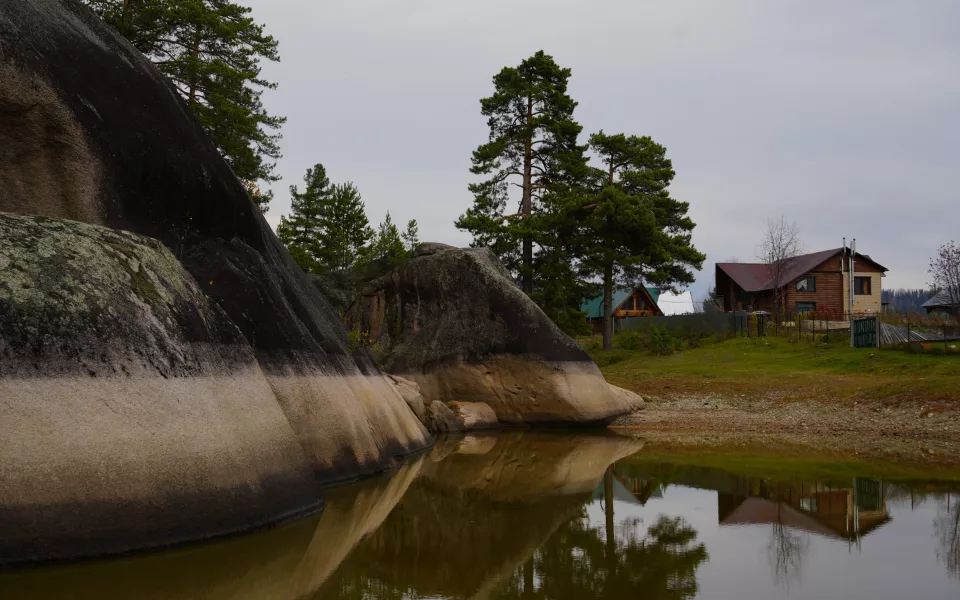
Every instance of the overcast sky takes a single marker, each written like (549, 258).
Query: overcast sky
(843, 116)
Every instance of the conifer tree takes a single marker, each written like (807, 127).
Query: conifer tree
(211, 52)
(344, 228)
(303, 229)
(387, 244)
(411, 237)
(632, 230)
(532, 146)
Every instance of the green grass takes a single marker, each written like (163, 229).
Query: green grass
(791, 370)
(784, 464)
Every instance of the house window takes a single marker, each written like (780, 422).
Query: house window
(807, 284)
(804, 307)
(861, 286)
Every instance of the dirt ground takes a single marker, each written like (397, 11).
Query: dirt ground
(910, 430)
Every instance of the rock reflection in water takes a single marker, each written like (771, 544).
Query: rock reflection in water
(284, 563)
(495, 512)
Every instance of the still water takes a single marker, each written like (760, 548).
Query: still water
(557, 516)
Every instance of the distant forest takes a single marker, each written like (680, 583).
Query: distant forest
(906, 301)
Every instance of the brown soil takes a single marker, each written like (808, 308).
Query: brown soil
(897, 429)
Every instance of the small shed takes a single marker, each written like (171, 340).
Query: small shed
(941, 304)
(637, 302)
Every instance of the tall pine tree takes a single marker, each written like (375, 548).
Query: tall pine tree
(387, 244)
(301, 232)
(344, 228)
(632, 231)
(211, 51)
(532, 146)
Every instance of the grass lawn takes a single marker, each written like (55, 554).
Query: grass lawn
(780, 368)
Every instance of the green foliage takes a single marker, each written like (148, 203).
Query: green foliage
(301, 230)
(344, 229)
(211, 51)
(630, 340)
(327, 228)
(631, 229)
(411, 237)
(533, 146)
(661, 340)
(386, 246)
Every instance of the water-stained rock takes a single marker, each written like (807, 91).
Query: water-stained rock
(91, 131)
(133, 411)
(453, 321)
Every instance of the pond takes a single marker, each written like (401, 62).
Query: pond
(564, 516)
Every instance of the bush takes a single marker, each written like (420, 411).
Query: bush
(630, 340)
(661, 340)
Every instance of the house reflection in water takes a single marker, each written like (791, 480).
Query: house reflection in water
(832, 510)
(847, 513)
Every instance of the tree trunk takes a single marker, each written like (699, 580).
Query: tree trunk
(608, 509)
(528, 578)
(125, 19)
(526, 204)
(194, 68)
(608, 307)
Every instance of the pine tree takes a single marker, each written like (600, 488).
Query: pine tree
(302, 231)
(533, 146)
(386, 244)
(411, 237)
(211, 51)
(344, 228)
(632, 230)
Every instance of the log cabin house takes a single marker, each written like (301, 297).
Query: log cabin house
(637, 302)
(817, 282)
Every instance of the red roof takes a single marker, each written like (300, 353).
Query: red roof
(756, 277)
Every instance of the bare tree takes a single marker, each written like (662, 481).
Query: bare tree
(779, 249)
(946, 526)
(787, 551)
(945, 271)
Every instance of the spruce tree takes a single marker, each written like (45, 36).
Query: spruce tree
(344, 228)
(532, 146)
(302, 231)
(211, 52)
(632, 231)
(387, 245)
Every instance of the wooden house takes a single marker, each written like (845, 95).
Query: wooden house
(817, 282)
(636, 302)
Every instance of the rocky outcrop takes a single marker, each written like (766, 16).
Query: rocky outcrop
(91, 131)
(475, 415)
(454, 322)
(633, 399)
(440, 419)
(133, 410)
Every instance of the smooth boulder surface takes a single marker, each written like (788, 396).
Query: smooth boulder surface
(91, 131)
(475, 415)
(454, 322)
(133, 411)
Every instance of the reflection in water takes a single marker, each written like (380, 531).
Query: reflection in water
(552, 516)
(947, 529)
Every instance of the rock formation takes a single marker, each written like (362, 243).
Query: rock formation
(452, 321)
(90, 131)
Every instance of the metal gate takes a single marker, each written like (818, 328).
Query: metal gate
(865, 333)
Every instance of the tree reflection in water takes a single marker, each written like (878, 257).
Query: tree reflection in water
(946, 527)
(576, 563)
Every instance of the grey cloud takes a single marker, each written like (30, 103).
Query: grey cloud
(840, 115)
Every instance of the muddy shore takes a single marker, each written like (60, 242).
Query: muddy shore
(898, 430)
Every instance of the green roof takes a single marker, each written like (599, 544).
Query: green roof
(594, 306)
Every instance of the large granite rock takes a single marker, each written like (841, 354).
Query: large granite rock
(91, 131)
(452, 320)
(133, 411)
